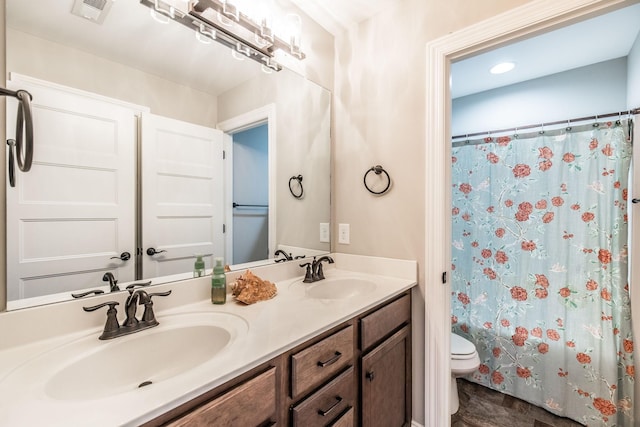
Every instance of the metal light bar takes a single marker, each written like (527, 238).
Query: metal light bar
(199, 8)
(216, 33)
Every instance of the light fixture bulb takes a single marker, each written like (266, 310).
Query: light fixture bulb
(159, 17)
(502, 67)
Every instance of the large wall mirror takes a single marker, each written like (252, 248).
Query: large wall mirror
(172, 147)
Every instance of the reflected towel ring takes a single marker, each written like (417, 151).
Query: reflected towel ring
(293, 193)
(23, 144)
(377, 170)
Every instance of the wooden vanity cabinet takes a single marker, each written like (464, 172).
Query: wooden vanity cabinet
(356, 374)
(329, 405)
(385, 365)
(252, 399)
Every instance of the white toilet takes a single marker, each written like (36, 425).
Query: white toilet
(464, 360)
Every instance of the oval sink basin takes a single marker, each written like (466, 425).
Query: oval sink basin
(92, 369)
(336, 288)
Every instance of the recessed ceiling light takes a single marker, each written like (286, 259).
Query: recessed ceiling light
(503, 67)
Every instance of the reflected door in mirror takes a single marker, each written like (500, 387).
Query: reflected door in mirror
(182, 193)
(74, 210)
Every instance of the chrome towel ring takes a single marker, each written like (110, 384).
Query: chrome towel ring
(297, 195)
(23, 143)
(377, 170)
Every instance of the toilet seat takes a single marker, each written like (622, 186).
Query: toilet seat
(461, 348)
(464, 361)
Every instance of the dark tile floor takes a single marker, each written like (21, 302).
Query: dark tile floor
(483, 407)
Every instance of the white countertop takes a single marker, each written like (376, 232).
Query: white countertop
(272, 327)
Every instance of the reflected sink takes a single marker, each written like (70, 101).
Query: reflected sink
(336, 287)
(91, 369)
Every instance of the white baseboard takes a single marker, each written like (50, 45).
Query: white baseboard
(415, 424)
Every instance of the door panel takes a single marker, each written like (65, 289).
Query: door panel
(182, 193)
(73, 210)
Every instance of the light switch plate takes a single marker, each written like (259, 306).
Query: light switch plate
(324, 232)
(343, 234)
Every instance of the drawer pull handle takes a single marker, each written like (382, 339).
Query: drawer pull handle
(331, 361)
(334, 406)
(370, 375)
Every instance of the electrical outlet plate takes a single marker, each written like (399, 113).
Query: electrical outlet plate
(343, 234)
(324, 232)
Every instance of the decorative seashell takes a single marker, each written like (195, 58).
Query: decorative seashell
(249, 288)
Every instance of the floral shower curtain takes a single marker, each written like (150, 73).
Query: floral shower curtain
(540, 269)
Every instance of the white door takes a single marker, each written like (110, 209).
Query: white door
(182, 195)
(72, 214)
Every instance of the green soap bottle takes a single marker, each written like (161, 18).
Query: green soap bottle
(198, 267)
(218, 283)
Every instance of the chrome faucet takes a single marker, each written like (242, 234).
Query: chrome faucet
(314, 269)
(287, 257)
(113, 329)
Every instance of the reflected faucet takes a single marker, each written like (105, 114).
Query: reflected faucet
(113, 283)
(287, 257)
(314, 269)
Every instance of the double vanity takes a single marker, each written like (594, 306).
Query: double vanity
(336, 351)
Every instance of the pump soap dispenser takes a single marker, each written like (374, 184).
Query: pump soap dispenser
(198, 267)
(218, 283)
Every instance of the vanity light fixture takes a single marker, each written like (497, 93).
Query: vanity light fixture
(92, 10)
(205, 35)
(224, 22)
(502, 67)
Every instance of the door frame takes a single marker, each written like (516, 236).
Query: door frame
(534, 17)
(245, 121)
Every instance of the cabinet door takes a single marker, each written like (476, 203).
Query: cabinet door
(250, 404)
(384, 383)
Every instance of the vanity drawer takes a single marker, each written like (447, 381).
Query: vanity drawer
(379, 324)
(329, 405)
(252, 403)
(346, 420)
(316, 364)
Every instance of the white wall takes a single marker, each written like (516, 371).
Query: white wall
(42, 59)
(633, 75)
(586, 91)
(379, 110)
(302, 126)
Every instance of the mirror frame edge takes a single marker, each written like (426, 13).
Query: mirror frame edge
(3, 127)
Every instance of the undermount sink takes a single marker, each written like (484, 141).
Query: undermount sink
(333, 288)
(91, 369)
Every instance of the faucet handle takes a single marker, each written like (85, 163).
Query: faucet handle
(319, 272)
(136, 285)
(149, 317)
(160, 294)
(111, 326)
(84, 294)
(308, 277)
(111, 305)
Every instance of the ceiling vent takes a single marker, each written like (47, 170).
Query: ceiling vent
(92, 10)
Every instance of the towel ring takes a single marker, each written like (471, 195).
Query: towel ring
(23, 144)
(377, 170)
(293, 193)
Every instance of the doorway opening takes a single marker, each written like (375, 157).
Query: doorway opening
(530, 19)
(250, 194)
(250, 191)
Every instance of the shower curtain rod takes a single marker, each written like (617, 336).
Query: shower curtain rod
(519, 128)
